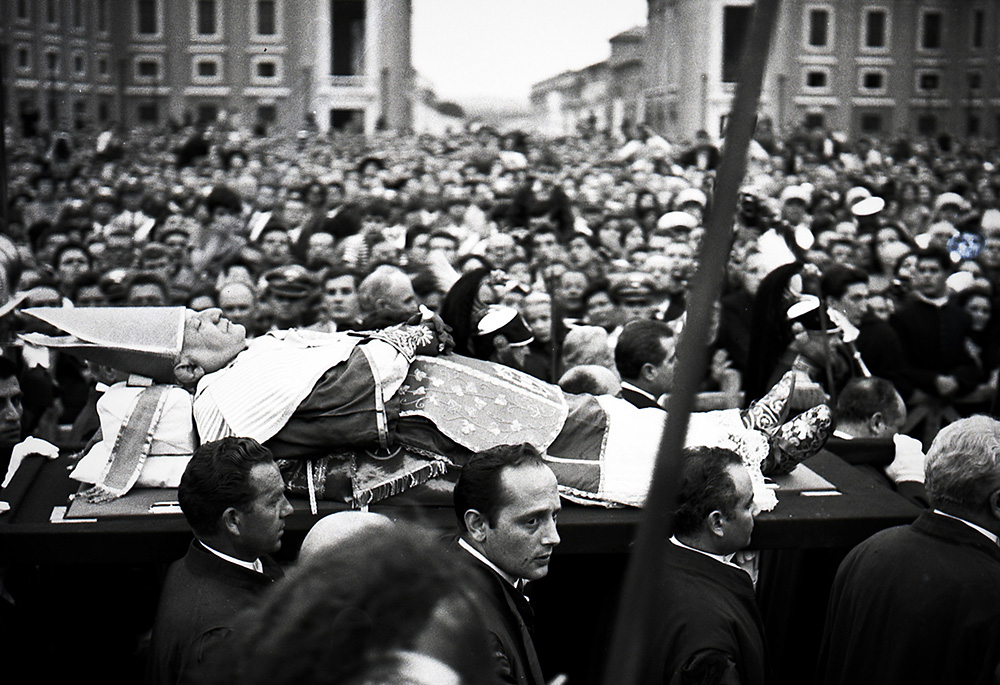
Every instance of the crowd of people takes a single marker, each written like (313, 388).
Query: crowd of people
(867, 272)
(348, 234)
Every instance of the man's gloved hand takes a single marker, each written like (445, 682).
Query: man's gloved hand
(909, 462)
(25, 448)
(439, 340)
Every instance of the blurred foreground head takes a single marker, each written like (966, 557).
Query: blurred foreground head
(385, 604)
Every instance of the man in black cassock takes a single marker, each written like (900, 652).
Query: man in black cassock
(709, 629)
(921, 603)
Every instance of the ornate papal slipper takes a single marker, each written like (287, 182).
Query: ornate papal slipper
(771, 410)
(799, 439)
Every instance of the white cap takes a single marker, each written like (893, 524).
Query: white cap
(945, 199)
(990, 220)
(794, 192)
(677, 220)
(691, 195)
(959, 281)
(505, 321)
(855, 194)
(868, 206)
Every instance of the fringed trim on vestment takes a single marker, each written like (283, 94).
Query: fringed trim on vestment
(587, 498)
(433, 456)
(132, 445)
(98, 494)
(311, 482)
(394, 486)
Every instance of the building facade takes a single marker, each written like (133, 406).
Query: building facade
(606, 96)
(269, 64)
(879, 68)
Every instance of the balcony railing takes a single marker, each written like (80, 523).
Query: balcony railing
(348, 81)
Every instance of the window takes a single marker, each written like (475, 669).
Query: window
(147, 68)
(205, 18)
(23, 11)
(871, 123)
(52, 61)
(102, 66)
(814, 120)
(208, 69)
(267, 24)
(79, 114)
(79, 66)
(267, 114)
(76, 8)
(147, 113)
(927, 125)
(103, 111)
(102, 15)
(267, 69)
(978, 25)
(348, 49)
(931, 30)
(816, 79)
(207, 113)
(51, 12)
(972, 125)
(875, 29)
(928, 81)
(873, 80)
(974, 80)
(819, 28)
(145, 19)
(23, 58)
(735, 25)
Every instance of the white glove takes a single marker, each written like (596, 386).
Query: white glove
(27, 447)
(908, 466)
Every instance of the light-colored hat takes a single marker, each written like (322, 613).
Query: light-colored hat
(677, 219)
(634, 288)
(691, 195)
(945, 199)
(856, 194)
(795, 192)
(139, 340)
(991, 220)
(868, 206)
(505, 321)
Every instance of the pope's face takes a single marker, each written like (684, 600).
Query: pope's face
(211, 341)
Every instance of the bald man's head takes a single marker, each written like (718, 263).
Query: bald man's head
(387, 290)
(334, 529)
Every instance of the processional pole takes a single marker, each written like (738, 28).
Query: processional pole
(628, 644)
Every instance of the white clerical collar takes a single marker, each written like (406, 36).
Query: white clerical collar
(255, 565)
(842, 435)
(722, 559)
(993, 538)
(517, 583)
(936, 301)
(635, 388)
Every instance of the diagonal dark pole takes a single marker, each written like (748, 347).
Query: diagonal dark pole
(3, 137)
(628, 648)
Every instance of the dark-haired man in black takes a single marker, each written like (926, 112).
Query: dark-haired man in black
(506, 502)
(645, 356)
(10, 412)
(709, 628)
(233, 498)
(933, 329)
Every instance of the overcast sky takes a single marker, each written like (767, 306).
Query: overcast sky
(498, 48)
